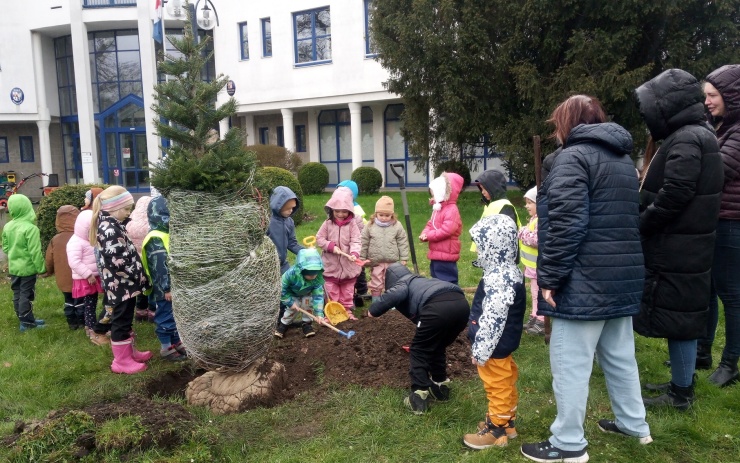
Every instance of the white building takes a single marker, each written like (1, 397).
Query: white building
(76, 79)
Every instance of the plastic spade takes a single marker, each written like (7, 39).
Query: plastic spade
(347, 334)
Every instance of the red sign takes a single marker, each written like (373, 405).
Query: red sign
(116, 172)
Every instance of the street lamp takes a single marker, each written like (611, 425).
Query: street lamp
(203, 16)
(174, 8)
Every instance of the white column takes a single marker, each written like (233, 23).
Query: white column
(355, 119)
(148, 54)
(43, 108)
(313, 136)
(251, 138)
(223, 127)
(379, 138)
(85, 108)
(288, 129)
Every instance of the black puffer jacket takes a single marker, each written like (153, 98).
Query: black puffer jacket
(590, 252)
(727, 81)
(408, 292)
(679, 206)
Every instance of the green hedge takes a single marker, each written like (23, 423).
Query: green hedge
(368, 179)
(457, 167)
(46, 214)
(313, 177)
(276, 156)
(267, 178)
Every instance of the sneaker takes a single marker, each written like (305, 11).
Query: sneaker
(611, 426)
(180, 347)
(99, 339)
(172, 355)
(440, 391)
(281, 329)
(417, 401)
(545, 451)
(510, 429)
(40, 322)
(537, 328)
(308, 330)
(25, 327)
(490, 436)
(529, 323)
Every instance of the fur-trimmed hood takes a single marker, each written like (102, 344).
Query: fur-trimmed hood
(445, 188)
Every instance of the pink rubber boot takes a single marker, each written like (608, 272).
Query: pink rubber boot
(122, 360)
(138, 356)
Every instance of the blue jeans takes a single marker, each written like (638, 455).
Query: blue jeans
(683, 361)
(443, 270)
(166, 328)
(573, 344)
(727, 285)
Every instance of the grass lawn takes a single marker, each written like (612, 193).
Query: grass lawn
(54, 368)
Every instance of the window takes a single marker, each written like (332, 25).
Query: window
(335, 144)
(26, 144)
(280, 136)
(369, 45)
(368, 155)
(244, 40)
(300, 138)
(264, 135)
(266, 37)
(396, 150)
(312, 31)
(4, 149)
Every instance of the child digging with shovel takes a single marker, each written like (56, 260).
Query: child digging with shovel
(303, 286)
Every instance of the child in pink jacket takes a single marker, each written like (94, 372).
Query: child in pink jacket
(445, 227)
(137, 228)
(340, 233)
(85, 277)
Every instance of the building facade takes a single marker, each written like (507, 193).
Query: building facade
(77, 78)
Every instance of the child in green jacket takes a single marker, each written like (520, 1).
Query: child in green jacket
(22, 245)
(303, 286)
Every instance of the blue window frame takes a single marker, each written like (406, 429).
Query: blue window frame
(369, 44)
(26, 144)
(335, 144)
(312, 32)
(266, 37)
(481, 157)
(4, 149)
(280, 136)
(264, 135)
(397, 150)
(300, 138)
(244, 41)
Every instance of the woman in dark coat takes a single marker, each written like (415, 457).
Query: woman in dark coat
(722, 90)
(679, 207)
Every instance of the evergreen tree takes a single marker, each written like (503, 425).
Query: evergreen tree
(188, 116)
(469, 68)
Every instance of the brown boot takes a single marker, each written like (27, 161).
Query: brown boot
(99, 339)
(490, 436)
(510, 428)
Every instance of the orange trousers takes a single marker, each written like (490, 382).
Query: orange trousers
(499, 380)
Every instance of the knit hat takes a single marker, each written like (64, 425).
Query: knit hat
(117, 202)
(385, 205)
(531, 194)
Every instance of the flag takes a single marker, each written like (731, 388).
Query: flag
(157, 31)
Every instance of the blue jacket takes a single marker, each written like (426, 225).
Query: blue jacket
(282, 229)
(590, 253)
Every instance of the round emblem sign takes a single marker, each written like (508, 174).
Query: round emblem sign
(16, 96)
(230, 88)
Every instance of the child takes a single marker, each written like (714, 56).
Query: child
(492, 187)
(57, 265)
(90, 196)
(123, 274)
(495, 328)
(444, 228)
(528, 245)
(383, 243)
(303, 286)
(137, 229)
(22, 245)
(361, 284)
(439, 310)
(339, 233)
(85, 275)
(156, 246)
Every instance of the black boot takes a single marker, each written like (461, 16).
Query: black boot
(662, 387)
(703, 357)
(726, 373)
(677, 397)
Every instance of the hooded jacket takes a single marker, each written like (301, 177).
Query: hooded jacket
(346, 236)
(295, 287)
(22, 239)
(495, 326)
(727, 81)
(156, 248)
(408, 292)
(80, 253)
(588, 217)
(282, 229)
(443, 230)
(357, 209)
(138, 226)
(679, 207)
(56, 253)
(385, 244)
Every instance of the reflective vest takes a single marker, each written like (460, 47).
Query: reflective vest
(494, 208)
(165, 237)
(529, 253)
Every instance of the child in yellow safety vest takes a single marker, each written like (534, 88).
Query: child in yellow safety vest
(528, 251)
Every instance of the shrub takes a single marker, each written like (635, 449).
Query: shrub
(457, 167)
(368, 179)
(313, 177)
(267, 178)
(276, 156)
(46, 214)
